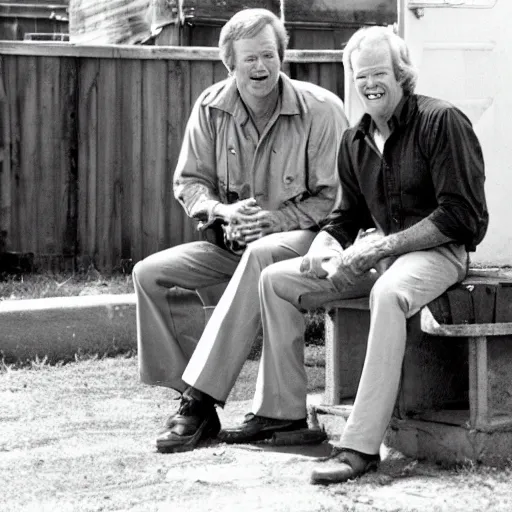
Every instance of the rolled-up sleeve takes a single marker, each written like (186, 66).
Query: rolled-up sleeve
(195, 181)
(353, 213)
(457, 169)
(328, 123)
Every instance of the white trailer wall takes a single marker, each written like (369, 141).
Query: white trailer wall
(464, 55)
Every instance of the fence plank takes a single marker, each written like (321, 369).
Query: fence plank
(12, 70)
(87, 157)
(181, 227)
(5, 176)
(30, 161)
(327, 77)
(179, 100)
(219, 72)
(154, 137)
(107, 214)
(201, 77)
(67, 133)
(131, 168)
(49, 205)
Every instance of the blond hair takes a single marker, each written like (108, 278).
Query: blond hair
(246, 24)
(404, 70)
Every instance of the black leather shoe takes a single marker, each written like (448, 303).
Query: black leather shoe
(196, 420)
(350, 464)
(259, 428)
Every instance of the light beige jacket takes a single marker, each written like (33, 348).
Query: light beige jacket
(291, 169)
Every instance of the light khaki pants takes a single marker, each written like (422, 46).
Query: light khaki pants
(412, 281)
(212, 365)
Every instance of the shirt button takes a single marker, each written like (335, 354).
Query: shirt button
(288, 179)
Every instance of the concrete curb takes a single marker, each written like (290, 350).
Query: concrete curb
(60, 327)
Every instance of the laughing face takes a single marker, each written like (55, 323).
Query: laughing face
(375, 81)
(257, 64)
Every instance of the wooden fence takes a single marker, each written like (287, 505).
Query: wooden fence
(91, 136)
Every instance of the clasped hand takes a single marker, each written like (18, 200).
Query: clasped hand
(346, 267)
(246, 221)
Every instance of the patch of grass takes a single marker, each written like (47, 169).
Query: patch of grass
(314, 334)
(315, 327)
(49, 284)
(246, 382)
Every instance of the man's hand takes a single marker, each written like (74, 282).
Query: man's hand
(318, 263)
(244, 228)
(262, 223)
(364, 254)
(343, 267)
(322, 251)
(238, 212)
(340, 275)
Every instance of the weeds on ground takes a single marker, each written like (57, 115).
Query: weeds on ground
(44, 363)
(315, 327)
(56, 284)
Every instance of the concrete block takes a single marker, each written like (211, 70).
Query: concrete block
(60, 327)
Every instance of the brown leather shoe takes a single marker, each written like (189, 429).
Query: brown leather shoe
(258, 428)
(195, 420)
(350, 464)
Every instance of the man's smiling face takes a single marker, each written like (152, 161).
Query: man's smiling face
(375, 81)
(257, 64)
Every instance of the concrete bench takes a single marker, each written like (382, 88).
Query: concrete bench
(455, 399)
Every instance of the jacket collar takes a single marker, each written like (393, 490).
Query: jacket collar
(403, 113)
(230, 101)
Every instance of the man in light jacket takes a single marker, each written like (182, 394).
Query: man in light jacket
(258, 165)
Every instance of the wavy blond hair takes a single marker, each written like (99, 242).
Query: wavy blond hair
(246, 24)
(404, 69)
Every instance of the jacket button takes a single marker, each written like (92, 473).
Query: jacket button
(288, 179)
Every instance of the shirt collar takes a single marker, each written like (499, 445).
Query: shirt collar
(229, 99)
(403, 113)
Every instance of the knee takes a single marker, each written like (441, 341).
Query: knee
(145, 273)
(140, 272)
(386, 292)
(269, 276)
(274, 278)
(259, 252)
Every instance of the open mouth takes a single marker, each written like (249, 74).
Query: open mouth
(375, 96)
(259, 78)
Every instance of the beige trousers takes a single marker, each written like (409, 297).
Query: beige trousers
(215, 361)
(412, 281)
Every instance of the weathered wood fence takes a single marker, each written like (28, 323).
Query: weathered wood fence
(90, 139)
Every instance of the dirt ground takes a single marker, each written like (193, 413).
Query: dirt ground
(80, 438)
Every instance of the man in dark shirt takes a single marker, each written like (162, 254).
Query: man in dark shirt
(412, 207)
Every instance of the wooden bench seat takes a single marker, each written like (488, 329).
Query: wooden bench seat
(455, 400)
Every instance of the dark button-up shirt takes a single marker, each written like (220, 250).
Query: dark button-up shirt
(431, 166)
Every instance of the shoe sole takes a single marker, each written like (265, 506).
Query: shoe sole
(299, 437)
(204, 432)
(263, 435)
(323, 480)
